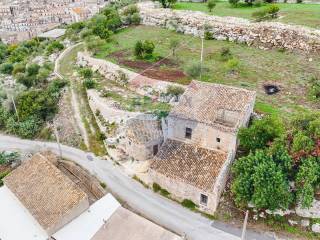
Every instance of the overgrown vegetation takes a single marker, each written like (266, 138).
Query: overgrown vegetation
(278, 154)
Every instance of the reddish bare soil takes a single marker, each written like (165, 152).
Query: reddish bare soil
(161, 70)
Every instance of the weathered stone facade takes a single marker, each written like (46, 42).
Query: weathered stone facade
(262, 34)
(201, 141)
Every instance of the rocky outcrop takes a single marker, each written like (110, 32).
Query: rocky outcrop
(262, 34)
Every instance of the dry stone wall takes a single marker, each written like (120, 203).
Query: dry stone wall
(262, 34)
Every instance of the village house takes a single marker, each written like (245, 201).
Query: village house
(194, 161)
(45, 199)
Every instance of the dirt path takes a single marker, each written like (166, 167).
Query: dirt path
(77, 116)
(74, 99)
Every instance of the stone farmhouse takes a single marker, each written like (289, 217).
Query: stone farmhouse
(40, 201)
(201, 142)
(143, 138)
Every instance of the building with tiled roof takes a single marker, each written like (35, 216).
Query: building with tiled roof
(201, 141)
(143, 137)
(55, 200)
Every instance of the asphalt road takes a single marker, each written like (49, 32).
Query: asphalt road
(144, 201)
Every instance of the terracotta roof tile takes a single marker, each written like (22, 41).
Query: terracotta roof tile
(44, 190)
(142, 131)
(189, 163)
(208, 103)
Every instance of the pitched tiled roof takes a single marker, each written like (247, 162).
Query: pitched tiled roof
(142, 131)
(208, 103)
(189, 163)
(44, 190)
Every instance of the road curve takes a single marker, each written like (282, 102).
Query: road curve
(153, 206)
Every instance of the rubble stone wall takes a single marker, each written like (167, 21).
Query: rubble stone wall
(264, 35)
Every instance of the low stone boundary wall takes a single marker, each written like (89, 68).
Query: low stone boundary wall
(262, 34)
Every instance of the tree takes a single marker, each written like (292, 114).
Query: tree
(211, 5)
(174, 43)
(144, 49)
(261, 133)
(258, 179)
(54, 46)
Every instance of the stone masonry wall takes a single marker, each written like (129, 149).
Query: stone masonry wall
(260, 34)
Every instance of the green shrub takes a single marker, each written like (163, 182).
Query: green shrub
(233, 64)
(302, 142)
(103, 185)
(208, 35)
(138, 49)
(225, 54)
(164, 192)
(314, 90)
(188, 204)
(144, 49)
(156, 187)
(211, 4)
(175, 90)
(194, 70)
(86, 72)
(6, 68)
(135, 19)
(261, 180)
(260, 133)
(273, 10)
(234, 3)
(129, 10)
(89, 83)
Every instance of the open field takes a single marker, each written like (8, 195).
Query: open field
(254, 68)
(298, 14)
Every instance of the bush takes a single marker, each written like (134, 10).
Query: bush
(89, 83)
(211, 4)
(156, 187)
(188, 204)
(144, 49)
(6, 157)
(233, 64)
(167, 3)
(234, 3)
(135, 19)
(302, 142)
(175, 90)
(86, 72)
(273, 11)
(314, 91)
(103, 185)
(6, 68)
(208, 35)
(306, 180)
(194, 70)
(164, 192)
(259, 179)
(261, 133)
(225, 54)
(54, 46)
(129, 10)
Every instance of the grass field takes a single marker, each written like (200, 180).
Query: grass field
(255, 67)
(300, 14)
